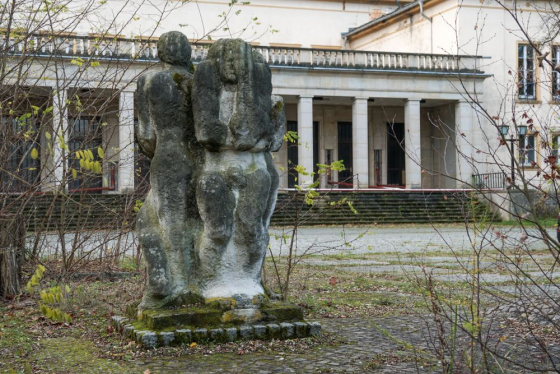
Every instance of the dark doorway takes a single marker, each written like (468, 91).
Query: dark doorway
(395, 154)
(315, 149)
(292, 156)
(345, 153)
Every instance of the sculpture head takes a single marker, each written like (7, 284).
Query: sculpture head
(236, 59)
(174, 48)
(232, 100)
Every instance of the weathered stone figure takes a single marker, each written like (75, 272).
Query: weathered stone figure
(204, 226)
(239, 123)
(168, 222)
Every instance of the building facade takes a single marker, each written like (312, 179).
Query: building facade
(391, 88)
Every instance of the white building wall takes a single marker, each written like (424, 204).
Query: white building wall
(479, 29)
(304, 23)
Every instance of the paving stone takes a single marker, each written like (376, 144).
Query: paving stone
(138, 336)
(300, 329)
(231, 334)
(149, 339)
(128, 332)
(260, 331)
(246, 332)
(200, 335)
(183, 336)
(273, 331)
(217, 335)
(314, 328)
(287, 330)
(166, 338)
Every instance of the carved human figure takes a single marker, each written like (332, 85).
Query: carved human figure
(238, 122)
(204, 226)
(168, 222)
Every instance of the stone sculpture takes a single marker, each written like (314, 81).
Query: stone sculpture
(204, 225)
(203, 228)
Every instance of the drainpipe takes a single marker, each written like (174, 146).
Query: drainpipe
(421, 4)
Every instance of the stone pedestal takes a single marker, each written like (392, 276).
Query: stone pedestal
(218, 322)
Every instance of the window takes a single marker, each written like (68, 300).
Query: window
(526, 72)
(555, 74)
(555, 140)
(19, 170)
(85, 134)
(141, 168)
(527, 154)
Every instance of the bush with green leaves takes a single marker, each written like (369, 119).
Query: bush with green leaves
(52, 298)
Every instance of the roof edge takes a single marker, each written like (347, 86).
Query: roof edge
(382, 19)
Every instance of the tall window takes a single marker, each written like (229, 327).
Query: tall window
(141, 168)
(555, 146)
(85, 134)
(19, 153)
(526, 72)
(555, 73)
(527, 154)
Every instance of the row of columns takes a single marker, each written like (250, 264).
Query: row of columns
(464, 127)
(464, 118)
(125, 171)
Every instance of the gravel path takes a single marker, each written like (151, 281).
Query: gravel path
(313, 240)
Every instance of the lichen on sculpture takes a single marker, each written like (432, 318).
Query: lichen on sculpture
(203, 228)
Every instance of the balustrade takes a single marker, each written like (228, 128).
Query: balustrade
(142, 49)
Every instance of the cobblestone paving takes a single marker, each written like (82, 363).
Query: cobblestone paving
(365, 350)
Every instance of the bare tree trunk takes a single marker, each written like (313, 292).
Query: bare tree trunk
(12, 242)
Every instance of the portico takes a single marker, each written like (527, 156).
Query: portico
(382, 142)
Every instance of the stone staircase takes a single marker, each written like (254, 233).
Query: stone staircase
(379, 207)
(73, 212)
(99, 212)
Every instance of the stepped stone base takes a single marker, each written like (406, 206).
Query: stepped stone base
(213, 324)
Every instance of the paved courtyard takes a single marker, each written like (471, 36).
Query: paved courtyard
(360, 283)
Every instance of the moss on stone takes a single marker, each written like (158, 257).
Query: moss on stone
(276, 110)
(178, 79)
(220, 303)
(217, 312)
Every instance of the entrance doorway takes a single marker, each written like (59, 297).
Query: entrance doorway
(345, 153)
(395, 154)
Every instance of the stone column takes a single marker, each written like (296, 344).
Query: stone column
(464, 116)
(305, 133)
(60, 132)
(360, 151)
(126, 142)
(413, 171)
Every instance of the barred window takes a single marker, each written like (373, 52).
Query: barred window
(85, 134)
(19, 138)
